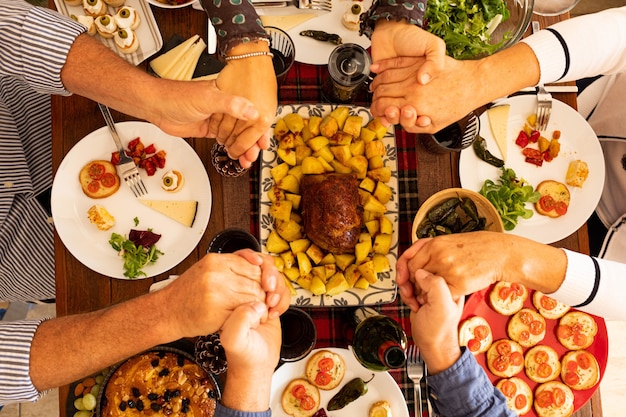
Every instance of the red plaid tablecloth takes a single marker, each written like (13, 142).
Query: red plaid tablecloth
(303, 85)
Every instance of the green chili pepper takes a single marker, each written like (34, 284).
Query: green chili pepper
(480, 147)
(348, 393)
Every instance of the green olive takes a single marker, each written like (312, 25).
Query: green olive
(92, 2)
(124, 13)
(105, 20)
(168, 181)
(122, 33)
(356, 9)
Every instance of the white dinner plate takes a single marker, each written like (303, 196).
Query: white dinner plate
(311, 51)
(578, 141)
(384, 290)
(382, 387)
(157, 3)
(150, 40)
(89, 244)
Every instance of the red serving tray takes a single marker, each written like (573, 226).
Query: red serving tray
(478, 305)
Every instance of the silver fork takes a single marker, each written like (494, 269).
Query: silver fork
(325, 5)
(544, 99)
(415, 371)
(127, 169)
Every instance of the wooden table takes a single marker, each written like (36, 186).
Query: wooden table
(79, 289)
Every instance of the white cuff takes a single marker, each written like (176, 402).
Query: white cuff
(550, 54)
(579, 279)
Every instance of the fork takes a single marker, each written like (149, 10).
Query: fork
(415, 370)
(325, 5)
(127, 169)
(544, 99)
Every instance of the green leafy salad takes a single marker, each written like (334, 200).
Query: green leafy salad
(466, 25)
(509, 196)
(138, 250)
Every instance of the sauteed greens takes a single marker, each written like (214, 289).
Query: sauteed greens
(466, 25)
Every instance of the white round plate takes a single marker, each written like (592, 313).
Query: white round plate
(578, 141)
(311, 51)
(89, 244)
(382, 387)
(157, 3)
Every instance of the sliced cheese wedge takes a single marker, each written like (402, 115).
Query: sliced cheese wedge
(184, 68)
(163, 64)
(286, 22)
(183, 212)
(499, 120)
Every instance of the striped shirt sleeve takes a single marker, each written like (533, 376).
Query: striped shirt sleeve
(15, 379)
(35, 42)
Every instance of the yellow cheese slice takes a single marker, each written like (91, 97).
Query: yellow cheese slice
(186, 65)
(183, 212)
(286, 22)
(499, 120)
(164, 63)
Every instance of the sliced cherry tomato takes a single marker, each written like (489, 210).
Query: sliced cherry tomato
(579, 339)
(108, 180)
(560, 207)
(326, 364)
(501, 363)
(508, 388)
(558, 396)
(518, 289)
(504, 293)
(307, 403)
(473, 345)
(583, 360)
(537, 327)
(564, 331)
(544, 370)
(525, 317)
(571, 378)
(524, 335)
(516, 358)
(298, 391)
(541, 356)
(547, 303)
(544, 399)
(520, 401)
(93, 186)
(503, 348)
(481, 332)
(96, 170)
(572, 365)
(577, 327)
(323, 378)
(546, 203)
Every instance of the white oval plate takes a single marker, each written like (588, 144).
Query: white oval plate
(578, 141)
(382, 387)
(89, 244)
(157, 3)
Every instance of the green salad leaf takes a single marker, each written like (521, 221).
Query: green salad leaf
(466, 25)
(509, 196)
(135, 256)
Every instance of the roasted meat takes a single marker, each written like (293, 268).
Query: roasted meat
(331, 211)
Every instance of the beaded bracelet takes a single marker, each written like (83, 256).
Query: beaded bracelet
(249, 55)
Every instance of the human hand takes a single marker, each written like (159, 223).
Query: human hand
(252, 345)
(201, 299)
(255, 79)
(434, 325)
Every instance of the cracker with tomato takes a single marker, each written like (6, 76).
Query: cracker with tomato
(475, 333)
(548, 306)
(505, 358)
(580, 370)
(542, 364)
(555, 198)
(325, 369)
(99, 179)
(300, 398)
(519, 396)
(526, 327)
(507, 298)
(554, 399)
(576, 330)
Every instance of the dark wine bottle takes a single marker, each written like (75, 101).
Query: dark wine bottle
(379, 342)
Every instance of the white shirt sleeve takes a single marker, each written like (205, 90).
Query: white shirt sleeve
(596, 286)
(584, 46)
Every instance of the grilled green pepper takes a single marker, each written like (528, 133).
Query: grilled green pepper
(480, 147)
(320, 35)
(348, 393)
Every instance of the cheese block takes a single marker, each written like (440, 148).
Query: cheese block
(183, 212)
(498, 120)
(185, 67)
(164, 63)
(286, 22)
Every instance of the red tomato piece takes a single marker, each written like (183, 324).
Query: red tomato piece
(564, 331)
(503, 348)
(481, 332)
(524, 335)
(508, 389)
(572, 366)
(537, 327)
(541, 356)
(93, 186)
(504, 293)
(547, 302)
(534, 161)
(298, 391)
(544, 399)
(520, 401)
(516, 358)
(583, 360)
(522, 139)
(473, 345)
(150, 149)
(547, 157)
(160, 158)
(534, 136)
(149, 166)
(525, 317)
(115, 158)
(560, 207)
(96, 170)
(518, 289)
(558, 396)
(571, 378)
(307, 403)
(322, 378)
(532, 153)
(132, 145)
(544, 370)
(108, 180)
(546, 203)
(501, 363)
(580, 339)
(326, 364)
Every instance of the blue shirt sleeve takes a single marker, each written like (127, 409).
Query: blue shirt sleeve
(223, 411)
(463, 390)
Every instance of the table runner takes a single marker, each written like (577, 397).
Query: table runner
(303, 85)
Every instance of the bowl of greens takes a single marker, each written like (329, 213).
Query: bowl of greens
(474, 29)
